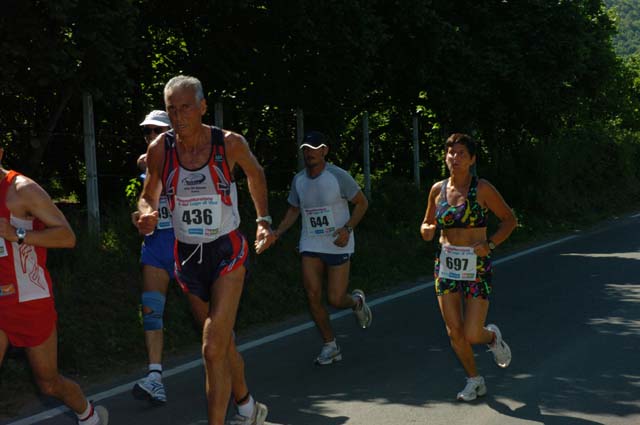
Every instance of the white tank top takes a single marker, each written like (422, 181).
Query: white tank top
(199, 215)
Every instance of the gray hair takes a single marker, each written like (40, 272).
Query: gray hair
(182, 82)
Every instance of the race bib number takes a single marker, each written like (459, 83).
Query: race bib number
(199, 215)
(319, 221)
(164, 214)
(3, 248)
(457, 263)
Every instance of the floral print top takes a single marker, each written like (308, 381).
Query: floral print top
(470, 214)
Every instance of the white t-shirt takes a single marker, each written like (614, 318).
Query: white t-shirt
(324, 208)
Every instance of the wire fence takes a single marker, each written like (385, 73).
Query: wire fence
(365, 143)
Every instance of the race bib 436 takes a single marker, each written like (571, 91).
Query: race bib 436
(199, 215)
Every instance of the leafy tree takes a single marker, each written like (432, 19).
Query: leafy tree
(627, 40)
(56, 51)
(505, 71)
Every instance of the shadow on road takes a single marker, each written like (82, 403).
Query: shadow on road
(572, 320)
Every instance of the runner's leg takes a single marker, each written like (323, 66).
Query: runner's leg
(154, 279)
(338, 282)
(44, 364)
(4, 345)
(451, 309)
(217, 336)
(312, 273)
(239, 387)
(475, 314)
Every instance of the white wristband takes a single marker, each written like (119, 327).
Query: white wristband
(266, 218)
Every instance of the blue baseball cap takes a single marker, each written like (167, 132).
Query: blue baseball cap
(314, 140)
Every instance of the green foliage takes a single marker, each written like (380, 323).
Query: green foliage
(132, 190)
(538, 83)
(498, 70)
(627, 12)
(571, 174)
(55, 51)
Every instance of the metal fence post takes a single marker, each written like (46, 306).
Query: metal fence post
(416, 152)
(366, 162)
(93, 208)
(218, 114)
(299, 136)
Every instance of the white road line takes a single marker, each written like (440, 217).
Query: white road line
(273, 337)
(534, 249)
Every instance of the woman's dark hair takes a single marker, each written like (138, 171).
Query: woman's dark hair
(463, 139)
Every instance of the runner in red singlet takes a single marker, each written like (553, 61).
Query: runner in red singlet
(29, 224)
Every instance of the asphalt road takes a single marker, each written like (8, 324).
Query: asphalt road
(570, 311)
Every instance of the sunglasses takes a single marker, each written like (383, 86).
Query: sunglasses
(148, 130)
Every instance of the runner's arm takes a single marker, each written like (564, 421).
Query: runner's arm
(33, 200)
(152, 188)
(289, 218)
(238, 152)
(496, 203)
(428, 226)
(142, 162)
(361, 203)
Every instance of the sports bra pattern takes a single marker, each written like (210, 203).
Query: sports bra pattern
(470, 214)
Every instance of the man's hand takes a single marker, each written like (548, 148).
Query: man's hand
(265, 237)
(134, 217)
(147, 223)
(142, 162)
(7, 231)
(341, 237)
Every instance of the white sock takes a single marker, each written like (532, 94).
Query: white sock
(155, 372)
(246, 409)
(358, 301)
(88, 417)
(332, 344)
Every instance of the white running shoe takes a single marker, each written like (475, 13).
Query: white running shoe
(103, 415)
(260, 412)
(363, 314)
(475, 388)
(499, 348)
(329, 354)
(151, 390)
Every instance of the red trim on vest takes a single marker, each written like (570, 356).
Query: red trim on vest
(7, 265)
(216, 163)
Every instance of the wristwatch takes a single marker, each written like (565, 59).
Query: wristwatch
(349, 229)
(21, 234)
(492, 246)
(266, 219)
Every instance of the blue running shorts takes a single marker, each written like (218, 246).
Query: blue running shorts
(328, 259)
(202, 264)
(157, 251)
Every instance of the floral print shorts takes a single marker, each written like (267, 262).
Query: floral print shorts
(479, 288)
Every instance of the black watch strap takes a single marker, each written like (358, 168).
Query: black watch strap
(21, 234)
